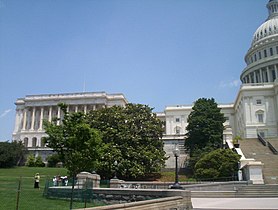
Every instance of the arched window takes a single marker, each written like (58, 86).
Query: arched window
(25, 142)
(43, 143)
(34, 142)
(260, 116)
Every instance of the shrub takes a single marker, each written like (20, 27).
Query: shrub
(53, 160)
(217, 164)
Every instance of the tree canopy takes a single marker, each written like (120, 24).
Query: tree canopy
(204, 130)
(205, 126)
(11, 154)
(78, 145)
(132, 137)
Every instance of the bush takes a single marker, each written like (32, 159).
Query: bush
(217, 164)
(11, 154)
(32, 161)
(53, 160)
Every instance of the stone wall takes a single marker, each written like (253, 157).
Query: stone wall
(143, 199)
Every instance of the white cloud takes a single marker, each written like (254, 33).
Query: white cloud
(232, 84)
(5, 113)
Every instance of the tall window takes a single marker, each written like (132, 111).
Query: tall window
(271, 51)
(25, 142)
(265, 53)
(178, 130)
(177, 119)
(34, 142)
(260, 116)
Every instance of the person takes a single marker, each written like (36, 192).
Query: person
(55, 181)
(37, 181)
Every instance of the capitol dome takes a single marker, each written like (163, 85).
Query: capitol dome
(262, 57)
(270, 26)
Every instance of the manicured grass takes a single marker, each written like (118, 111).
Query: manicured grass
(169, 176)
(30, 198)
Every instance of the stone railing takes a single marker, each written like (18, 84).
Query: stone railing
(142, 199)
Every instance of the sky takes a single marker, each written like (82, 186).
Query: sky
(155, 52)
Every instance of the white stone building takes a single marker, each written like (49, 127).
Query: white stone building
(254, 111)
(31, 110)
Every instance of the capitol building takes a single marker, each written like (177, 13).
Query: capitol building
(254, 111)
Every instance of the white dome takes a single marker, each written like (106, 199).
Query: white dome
(268, 28)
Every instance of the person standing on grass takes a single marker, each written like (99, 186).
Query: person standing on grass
(37, 181)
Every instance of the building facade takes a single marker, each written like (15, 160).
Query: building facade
(33, 109)
(255, 110)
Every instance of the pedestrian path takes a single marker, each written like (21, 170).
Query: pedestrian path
(235, 203)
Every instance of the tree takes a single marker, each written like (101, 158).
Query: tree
(132, 137)
(205, 129)
(78, 145)
(33, 161)
(52, 160)
(11, 154)
(219, 163)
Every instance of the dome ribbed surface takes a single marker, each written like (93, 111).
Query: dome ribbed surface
(267, 29)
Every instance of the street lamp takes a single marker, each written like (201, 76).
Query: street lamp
(115, 165)
(176, 153)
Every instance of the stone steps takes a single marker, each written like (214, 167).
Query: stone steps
(253, 148)
(253, 191)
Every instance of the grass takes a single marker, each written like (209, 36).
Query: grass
(30, 198)
(169, 176)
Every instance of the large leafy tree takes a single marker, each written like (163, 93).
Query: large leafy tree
(78, 145)
(11, 154)
(132, 137)
(205, 129)
(205, 126)
(220, 163)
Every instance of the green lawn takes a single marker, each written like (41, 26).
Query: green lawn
(30, 198)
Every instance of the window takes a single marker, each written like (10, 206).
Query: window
(260, 116)
(25, 142)
(255, 57)
(276, 49)
(260, 55)
(177, 130)
(271, 51)
(177, 119)
(34, 142)
(258, 101)
(265, 53)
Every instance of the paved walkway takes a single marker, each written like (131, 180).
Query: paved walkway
(234, 203)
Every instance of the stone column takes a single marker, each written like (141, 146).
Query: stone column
(255, 77)
(50, 114)
(59, 116)
(276, 71)
(261, 76)
(85, 109)
(268, 74)
(24, 119)
(33, 118)
(249, 76)
(76, 108)
(41, 118)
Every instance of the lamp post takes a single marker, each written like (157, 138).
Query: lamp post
(115, 165)
(176, 153)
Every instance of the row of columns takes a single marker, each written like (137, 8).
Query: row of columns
(29, 117)
(263, 76)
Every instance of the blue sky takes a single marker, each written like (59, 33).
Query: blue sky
(155, 52)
